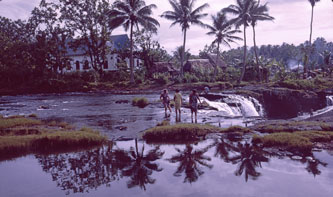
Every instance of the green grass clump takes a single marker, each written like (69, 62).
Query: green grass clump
(237, 129)
(140, 102)
(165, 132)
(20, 136)
(297, 141)
(179, 132)
(289, 141)
(291, 126)
(15, 122)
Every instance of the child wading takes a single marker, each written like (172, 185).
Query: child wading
(178, 103)
(194, 98)
(166, 101)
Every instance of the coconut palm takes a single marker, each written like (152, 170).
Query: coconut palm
(313, 3)
(223, 32)
(185, 15)
(130, 14)
(258, 13)
(242, 11)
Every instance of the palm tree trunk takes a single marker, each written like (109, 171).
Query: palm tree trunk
(131, 56)
(244, 57)
(217, 56)
(307, 51)
(255, 52)
(183, 56)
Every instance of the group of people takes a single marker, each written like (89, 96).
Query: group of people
(193, 103)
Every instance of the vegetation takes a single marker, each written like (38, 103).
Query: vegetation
(131, 14)
(185, 15)
(140, 102)
(183, 132)
(20, 136)
(302, 141)
(290, 126)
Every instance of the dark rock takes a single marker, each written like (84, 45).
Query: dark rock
(121, 128)
(122, 101)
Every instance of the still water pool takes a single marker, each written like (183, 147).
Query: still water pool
(214, 167)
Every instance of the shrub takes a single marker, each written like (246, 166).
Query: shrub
(161, 78)
(190, 78)
(140, 102)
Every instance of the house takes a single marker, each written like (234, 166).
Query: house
(164, 67)
(80, 60)
(204, 64)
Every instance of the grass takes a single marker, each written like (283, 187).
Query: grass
(291, 126)
(140, 102)
(301, 141)
(11, 122)
(185, 132)
(20, 136)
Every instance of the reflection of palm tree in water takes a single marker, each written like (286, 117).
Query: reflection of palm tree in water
(249, 158)
(140, 166)
(82, 171)
(189, 162)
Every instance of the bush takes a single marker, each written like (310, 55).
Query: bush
(190, 78)
(140, 102)
(161, 78)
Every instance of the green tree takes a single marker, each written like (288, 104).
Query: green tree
(258, 13)
(149, 50)
(223, 32)
(130, 14)
(242, 11)
(307, 52)
(185, 15)
(88, 19)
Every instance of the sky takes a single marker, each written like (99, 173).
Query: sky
(291, 24)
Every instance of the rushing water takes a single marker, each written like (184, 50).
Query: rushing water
(115, 116)
(215, 167)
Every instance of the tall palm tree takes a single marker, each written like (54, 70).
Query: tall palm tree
(130, 14)
(313, 3)
(223, 32)
(185, 15)
(242, 11)
(258, 13)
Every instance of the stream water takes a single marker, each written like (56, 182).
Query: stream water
(218, 166)
(117, 118)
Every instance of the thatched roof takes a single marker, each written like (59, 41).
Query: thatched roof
(163, 67)
(214, 59)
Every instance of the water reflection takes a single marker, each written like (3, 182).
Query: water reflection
(137, 164)
(190, 162)
(83, 171)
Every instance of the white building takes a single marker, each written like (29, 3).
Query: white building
(80, 60)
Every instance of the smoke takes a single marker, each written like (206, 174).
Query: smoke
(294, 65)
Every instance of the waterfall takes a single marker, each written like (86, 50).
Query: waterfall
(232, 105)
(329, 107)
(329, 100)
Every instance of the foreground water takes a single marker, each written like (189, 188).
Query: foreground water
(215, 167)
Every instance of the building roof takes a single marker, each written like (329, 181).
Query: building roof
(118, 42)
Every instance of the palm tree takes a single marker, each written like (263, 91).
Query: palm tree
(243, 17)
(130, 14)
(258, 13)
(185, 15)
(223, 33)
(313, 3)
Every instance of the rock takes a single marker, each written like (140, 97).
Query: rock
(44, 107)
(122, 101)
(295, 157)
(121, 128)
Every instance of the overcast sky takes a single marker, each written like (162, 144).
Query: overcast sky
(291, 24)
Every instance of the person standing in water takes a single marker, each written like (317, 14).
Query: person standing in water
(166, 101)
(193, 101)
(178, 103)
